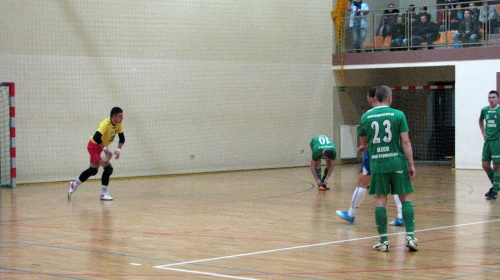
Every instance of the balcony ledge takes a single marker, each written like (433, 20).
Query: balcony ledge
(417, 56)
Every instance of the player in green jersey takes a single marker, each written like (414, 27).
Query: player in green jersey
(491, 147)
(322, 147)
(384, 132)
(364, 181)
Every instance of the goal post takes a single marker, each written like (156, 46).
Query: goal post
(7, 136)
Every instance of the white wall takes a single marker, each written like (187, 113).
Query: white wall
(474, 79)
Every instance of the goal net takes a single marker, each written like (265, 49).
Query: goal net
(430, 114)
(7, 136)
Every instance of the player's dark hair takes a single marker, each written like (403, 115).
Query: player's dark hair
(383, 93)
(494, 92)
(329, 153)
(371, 92)
(116, 111)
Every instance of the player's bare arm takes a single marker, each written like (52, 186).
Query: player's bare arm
(481, 127)
(120, 145)
(405, 140)
(363, 147)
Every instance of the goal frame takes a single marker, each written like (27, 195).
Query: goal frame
(12, 134)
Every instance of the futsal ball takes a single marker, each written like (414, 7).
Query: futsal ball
(105, 157)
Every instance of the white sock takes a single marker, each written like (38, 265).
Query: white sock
(104, 189)
(357, 198)
(399, 206)
(76, 182)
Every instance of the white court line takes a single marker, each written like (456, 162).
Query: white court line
(168, 266)
(210, 274)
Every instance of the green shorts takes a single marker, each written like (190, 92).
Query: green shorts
(391, 183)
(491, 151)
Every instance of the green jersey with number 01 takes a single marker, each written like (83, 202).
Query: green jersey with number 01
(492, 117)
(318, 144)
(381, 126)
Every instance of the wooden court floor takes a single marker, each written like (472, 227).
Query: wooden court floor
(267, 224)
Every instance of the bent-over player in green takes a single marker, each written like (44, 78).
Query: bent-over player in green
(491, 147)
(322, 147)
(384, 132)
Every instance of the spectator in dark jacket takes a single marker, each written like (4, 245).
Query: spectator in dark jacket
(474, 11)
(399, 34)
(468, 31)
(424, 31)
(389, 18)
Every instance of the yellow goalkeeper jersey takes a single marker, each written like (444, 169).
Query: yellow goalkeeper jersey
(108, 131)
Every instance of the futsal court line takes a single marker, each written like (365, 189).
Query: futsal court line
(168, 266)
(209, 274)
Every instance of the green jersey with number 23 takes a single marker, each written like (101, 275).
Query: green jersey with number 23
(381, 126)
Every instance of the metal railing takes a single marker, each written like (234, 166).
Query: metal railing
(400, 31)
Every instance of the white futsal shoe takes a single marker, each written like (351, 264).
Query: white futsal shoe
(105, 196)
(72, 189)
(382, 247)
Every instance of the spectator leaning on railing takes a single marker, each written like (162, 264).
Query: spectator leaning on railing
(358, 23)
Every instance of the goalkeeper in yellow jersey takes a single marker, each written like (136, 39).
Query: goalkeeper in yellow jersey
(106, 132)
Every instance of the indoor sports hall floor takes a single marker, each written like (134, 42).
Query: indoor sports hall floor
(267, 224)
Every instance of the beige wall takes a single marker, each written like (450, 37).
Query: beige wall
(205, 85)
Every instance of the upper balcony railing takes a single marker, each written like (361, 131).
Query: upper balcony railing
(467, 24)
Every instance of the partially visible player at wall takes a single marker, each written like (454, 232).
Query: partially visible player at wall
(491, 147)
(364, 181)
(322, 147)
(105, 134)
